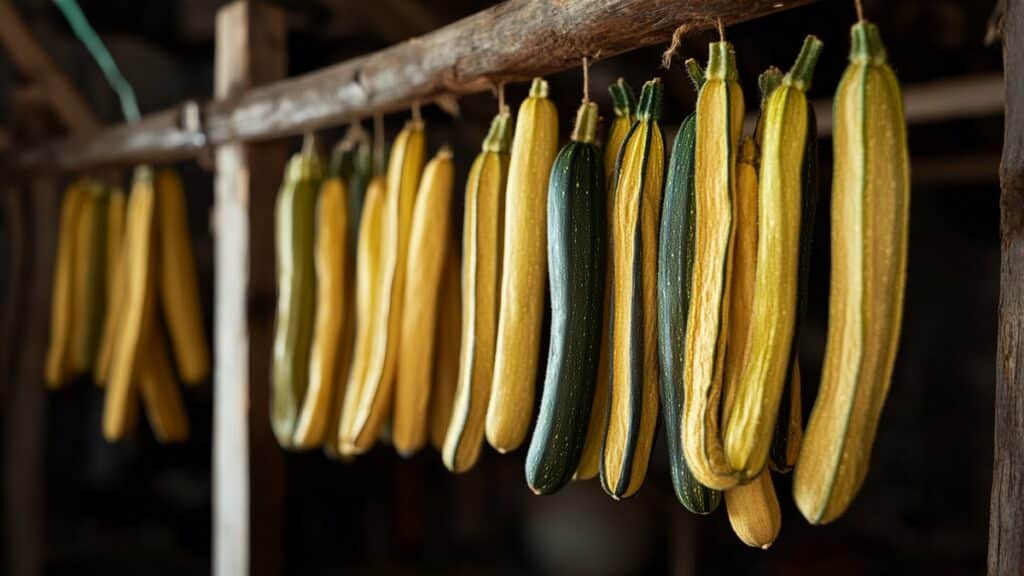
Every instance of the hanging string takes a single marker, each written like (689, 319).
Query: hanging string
(87, 36)
(416, 117)
(501, 98)
(308, 144)
(721, 31)
(677, 39)
(586, 80)
(860, 10)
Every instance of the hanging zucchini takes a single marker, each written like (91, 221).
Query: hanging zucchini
(332, 286)
(719, 122)
(766, 361)
(870, 206)
(534, 146)
(753, 508)
(675, 269)
(161, 398)
(57, 354)
(295, 238)
(119, 408)
(90, 279)
(179, 288)
(789, 427)
(369, 253)
(428, 244)
(633, 367)
(481, 272)
(371, 399)
(576, 259)
(115, 284)
(624, 105)
(446, 346)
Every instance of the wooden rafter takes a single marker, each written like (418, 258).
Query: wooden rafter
(35, 64)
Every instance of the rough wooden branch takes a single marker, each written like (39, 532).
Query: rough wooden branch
(514, 40)
(1006, 514)
(511, 41)
(34, 63)
(166, 136)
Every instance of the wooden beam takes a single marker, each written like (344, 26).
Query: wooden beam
(166, 136)
(34, 63)
(511, 41)
(247, 464)
(1006, 512)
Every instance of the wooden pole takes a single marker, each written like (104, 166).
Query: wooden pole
(1006, 514)
(24, 421)
(247, 464)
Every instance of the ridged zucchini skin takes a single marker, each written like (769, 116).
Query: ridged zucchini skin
(633, 361)
(576, 261)
(870, 219)
(675, 270)
(789, 427)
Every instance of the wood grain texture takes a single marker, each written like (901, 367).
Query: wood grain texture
(1006, 514)
(512, 41)
(248, 466)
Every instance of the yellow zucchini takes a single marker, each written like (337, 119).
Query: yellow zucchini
(57, 354)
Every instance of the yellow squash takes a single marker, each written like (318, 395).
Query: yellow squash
(870, 207)
(368, 267)
(633, 360)
(624, 104)
(481, 271)
(331, 284)
(115, 284)
(523, 279)
(753, 508)
(159, 390)
(719, 120)
(57, 354)
(89, 286)
(371, 399)
(428, 243)
(135, 322)
(179, 289)
(748, 434)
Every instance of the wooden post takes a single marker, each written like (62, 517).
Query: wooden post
(247, 464)
(1006, 514)
(24, 421)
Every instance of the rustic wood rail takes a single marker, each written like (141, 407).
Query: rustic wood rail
(512, 41)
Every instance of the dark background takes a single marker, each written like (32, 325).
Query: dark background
(142, 508)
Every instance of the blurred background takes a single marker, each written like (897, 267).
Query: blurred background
(142, 508)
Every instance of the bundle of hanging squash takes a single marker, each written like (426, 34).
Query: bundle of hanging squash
(125, 302)
(683, 286)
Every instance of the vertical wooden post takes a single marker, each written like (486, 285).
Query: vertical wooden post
(247, 465)
(1006, 513)
(24, 421)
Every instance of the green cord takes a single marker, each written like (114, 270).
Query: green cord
(87, 35)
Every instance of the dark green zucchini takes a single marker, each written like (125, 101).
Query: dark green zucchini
(675, 267)
(789, 426)
(576, 262)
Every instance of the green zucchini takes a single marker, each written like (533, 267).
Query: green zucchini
(675, 268)
(576, 261)
(296, 280)
(789, 426)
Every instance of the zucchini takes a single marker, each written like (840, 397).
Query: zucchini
(633, 363)
(576, 237)
(675, 269)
